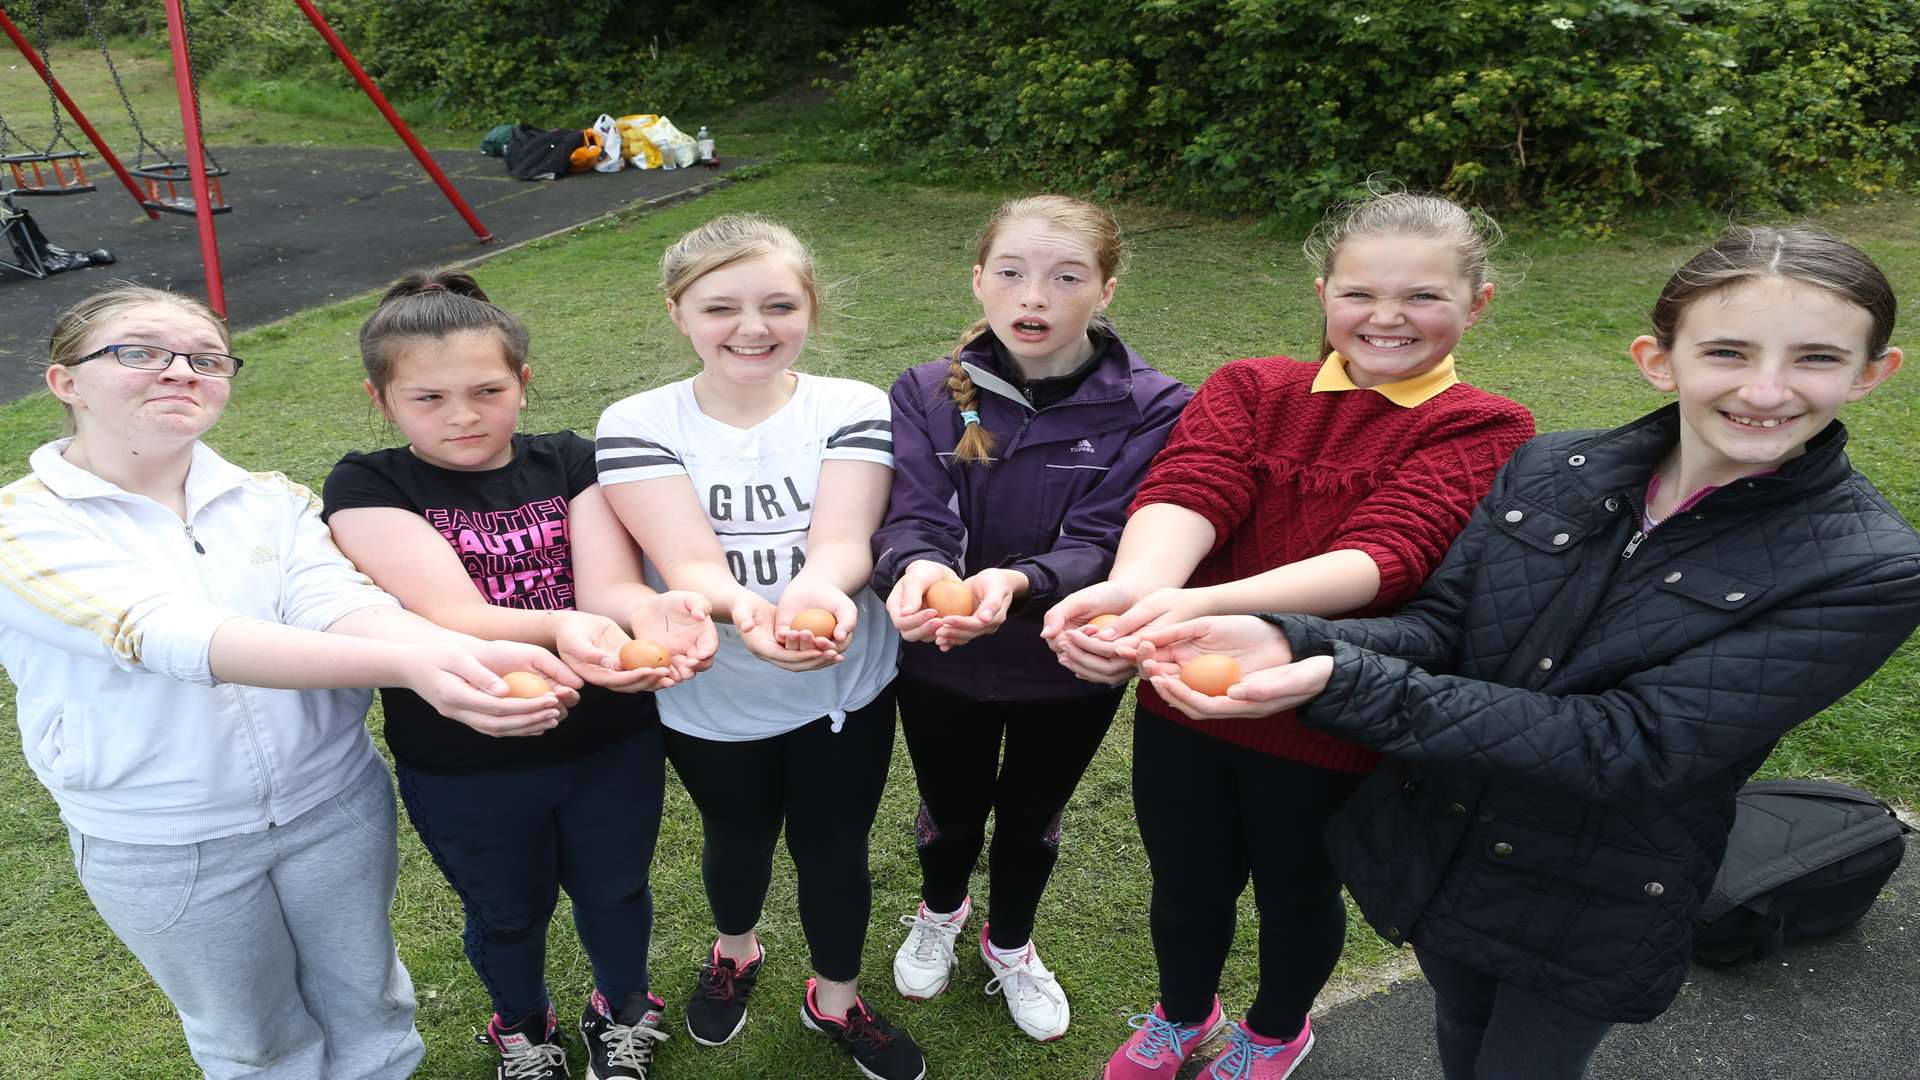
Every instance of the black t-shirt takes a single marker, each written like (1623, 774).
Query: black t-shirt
(509, 526)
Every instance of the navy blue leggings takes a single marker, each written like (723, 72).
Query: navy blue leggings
(509, 839)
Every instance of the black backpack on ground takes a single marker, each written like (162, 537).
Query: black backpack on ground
(533, 154)
(1805, 858)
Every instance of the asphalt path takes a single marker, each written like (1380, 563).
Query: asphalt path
(308, 227)
(1845, 1007)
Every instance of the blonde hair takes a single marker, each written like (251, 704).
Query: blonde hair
(1093, 226)
(737, 238)
(1387, 211)
(66, 346)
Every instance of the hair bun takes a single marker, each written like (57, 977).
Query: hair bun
(457, 282)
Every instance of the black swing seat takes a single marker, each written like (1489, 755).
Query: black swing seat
(162, 181)
(30, 181)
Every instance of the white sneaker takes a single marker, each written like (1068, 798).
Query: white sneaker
(1033, 995)
(925, 961)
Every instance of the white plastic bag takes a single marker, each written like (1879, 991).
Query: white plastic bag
(609, 132)
(677, 148)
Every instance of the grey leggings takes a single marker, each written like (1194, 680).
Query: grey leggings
(1490, 1030)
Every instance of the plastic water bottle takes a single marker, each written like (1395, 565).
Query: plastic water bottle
(705, 140)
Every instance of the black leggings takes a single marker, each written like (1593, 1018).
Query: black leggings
(825, 785)
(1490, 1030)
(1211, 814)
(955, 743)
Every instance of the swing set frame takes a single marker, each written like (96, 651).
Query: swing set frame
(205, 205)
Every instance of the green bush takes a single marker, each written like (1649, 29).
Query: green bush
(482, 62)
(1572, 108)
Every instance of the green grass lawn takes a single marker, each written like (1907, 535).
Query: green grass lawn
(1203, 290)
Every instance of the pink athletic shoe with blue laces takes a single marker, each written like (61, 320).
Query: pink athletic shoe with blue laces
(1159, 1046)
(1250, 1056)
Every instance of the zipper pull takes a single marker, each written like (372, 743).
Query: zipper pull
(1633, 545)
(195, 539)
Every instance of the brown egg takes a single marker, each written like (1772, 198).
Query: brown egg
(641, 653)
(526, 684)
(1099, 621)
(950, 598)
(816, 621)
(1210, 675)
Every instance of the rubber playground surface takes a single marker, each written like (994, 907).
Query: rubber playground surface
(308, 227)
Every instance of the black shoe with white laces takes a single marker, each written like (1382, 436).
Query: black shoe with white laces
(882, 1051)
(529, 1050)
(718, 1008)
(621, 1043)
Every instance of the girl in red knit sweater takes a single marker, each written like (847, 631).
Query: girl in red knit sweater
(1328, 488)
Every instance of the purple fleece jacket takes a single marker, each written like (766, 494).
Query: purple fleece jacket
(1051, 504)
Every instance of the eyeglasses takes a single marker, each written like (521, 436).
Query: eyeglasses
(154, 358)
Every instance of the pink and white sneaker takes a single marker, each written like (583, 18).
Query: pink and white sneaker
(1159, 1046)
(1251, 1056)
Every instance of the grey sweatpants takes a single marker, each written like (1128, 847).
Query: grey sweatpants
(276, 947)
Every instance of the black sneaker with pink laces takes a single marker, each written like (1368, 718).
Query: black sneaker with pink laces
(882, 1051)
(717, 1009)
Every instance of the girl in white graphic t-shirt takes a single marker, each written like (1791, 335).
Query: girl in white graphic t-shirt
(760, 487)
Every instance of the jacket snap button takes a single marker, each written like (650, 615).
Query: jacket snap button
(1654, 888)
(1456, 809)
(1514, 516)
(1671, 578)
(1735, 597)
(1484, 817)
(1560, 539)
(1393, 933)
(1546, 663)
(1577, 460)
(1612, 505)
(1503, 848)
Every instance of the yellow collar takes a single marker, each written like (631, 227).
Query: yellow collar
(1407, 393)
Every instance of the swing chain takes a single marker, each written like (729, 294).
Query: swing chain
(140, 134)
(38, 7)
(193, 79)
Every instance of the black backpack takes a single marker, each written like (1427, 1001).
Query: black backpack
(1805, 858)
(533, 154)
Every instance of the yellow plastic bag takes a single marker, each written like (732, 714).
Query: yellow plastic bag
(637, 147)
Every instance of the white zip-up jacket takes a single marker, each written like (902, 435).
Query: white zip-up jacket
(108, 605)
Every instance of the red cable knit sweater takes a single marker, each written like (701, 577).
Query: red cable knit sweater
(1284, 475)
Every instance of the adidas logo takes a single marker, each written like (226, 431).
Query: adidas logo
(1081, 447)
(262, 554)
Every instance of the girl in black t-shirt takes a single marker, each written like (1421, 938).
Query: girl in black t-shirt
(490, 532)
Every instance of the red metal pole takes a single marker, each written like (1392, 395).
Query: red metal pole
(196, 158)
(399, 126)
(99, 144)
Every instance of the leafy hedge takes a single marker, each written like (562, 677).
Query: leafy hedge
(1577, 108)
(489, 61)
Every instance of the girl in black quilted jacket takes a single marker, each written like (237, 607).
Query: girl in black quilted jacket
(1630, 621)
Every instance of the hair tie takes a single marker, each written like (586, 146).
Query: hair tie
(432, 285)
(970, 417)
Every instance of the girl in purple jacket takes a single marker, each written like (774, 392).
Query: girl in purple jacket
(1014, 461)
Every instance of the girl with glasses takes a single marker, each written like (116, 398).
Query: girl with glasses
(188, 646)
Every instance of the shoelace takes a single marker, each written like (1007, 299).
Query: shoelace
(1162, 1035)
(1236, 1063)
(864, 1027)
(930, 938)
(632, 1045)
(717, 980)
(1029, 981)
(533, 1062)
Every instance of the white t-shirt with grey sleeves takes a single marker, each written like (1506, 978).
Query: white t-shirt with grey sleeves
(759, 486)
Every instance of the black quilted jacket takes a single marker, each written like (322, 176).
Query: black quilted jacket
(1569, 706)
